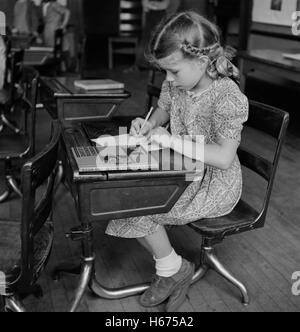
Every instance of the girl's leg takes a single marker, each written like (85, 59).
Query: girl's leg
(145, 244)
(173, 274)
(159, 243)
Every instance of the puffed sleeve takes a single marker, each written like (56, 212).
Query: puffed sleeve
(165, 99)
(231, 113)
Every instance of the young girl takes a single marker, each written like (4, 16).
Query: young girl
(198, 98)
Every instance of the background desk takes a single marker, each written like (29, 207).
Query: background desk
(71, 105)
(269, 61)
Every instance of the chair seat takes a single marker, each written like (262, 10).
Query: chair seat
(13, 145)
(243, 215)
(10, 254)
(4, 97)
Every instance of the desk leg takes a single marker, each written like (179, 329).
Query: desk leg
(85, 277)
(60, 175)
(119, 293)
(116, 293)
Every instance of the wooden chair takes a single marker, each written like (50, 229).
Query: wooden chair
(272, 122)
(130, 28)
(26, 245)
(19, 147)
(52, 66)
(153, 90)
(9, 95)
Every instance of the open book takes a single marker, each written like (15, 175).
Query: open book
(99, 159)
(101, 84)
(127, 141)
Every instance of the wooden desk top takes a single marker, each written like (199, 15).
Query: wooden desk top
(64, 87)
(172, 164)
(272, 57)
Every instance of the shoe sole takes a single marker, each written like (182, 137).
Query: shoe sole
(182, 283)
(179, 295)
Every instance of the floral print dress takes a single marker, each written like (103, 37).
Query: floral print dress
(218, 112)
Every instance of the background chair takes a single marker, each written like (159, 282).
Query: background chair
(130, 28)
(16, 148)
(153, 90)
(26, 246)
(52, 66)
(271, 122)
(9, 95)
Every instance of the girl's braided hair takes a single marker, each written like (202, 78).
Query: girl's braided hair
(196, 37)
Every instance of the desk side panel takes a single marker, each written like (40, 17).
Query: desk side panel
(122, 199)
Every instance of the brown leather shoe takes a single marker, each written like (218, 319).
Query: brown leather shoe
(162, 287)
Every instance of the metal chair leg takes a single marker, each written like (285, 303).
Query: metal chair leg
(13, 185)
(215, 264)
(85, 277)
(14, 304)
(5, 195)
(9, 124)
(60, 175)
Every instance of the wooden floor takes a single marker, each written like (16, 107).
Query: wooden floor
(264, 259)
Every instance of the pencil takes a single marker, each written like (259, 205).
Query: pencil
(147, 117)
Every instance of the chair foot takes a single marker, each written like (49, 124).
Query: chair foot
(12, 304)
(85, 278)
(200, 273)
(5, 195)
(12, 182)
(10, 125)
(215, 264)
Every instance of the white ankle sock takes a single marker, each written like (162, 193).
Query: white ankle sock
(168, 266)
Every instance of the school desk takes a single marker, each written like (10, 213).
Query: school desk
(268, 61)
(102, 196)
(71, 105)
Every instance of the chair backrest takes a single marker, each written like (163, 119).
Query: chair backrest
(131, 18)
(38, 171)
(153, 90)
(29, 86)
(82, 55)
(272, 122)
(8, 48)
(14, 70)
(14, 65)
(58, 44)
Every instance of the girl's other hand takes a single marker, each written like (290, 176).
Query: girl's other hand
(160, 136)
(140, 127)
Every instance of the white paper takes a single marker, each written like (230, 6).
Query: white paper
(127, 140)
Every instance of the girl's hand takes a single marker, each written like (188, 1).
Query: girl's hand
(160, 136)
(140, 127)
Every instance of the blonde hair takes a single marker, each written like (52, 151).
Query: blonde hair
(196, 37)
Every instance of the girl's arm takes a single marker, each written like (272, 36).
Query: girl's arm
(219, 155)
(158, 118)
